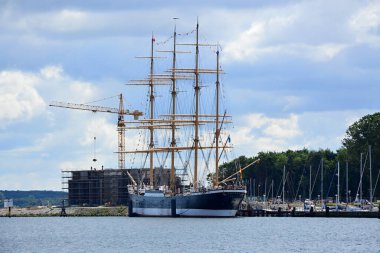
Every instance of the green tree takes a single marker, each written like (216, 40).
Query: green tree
(359, 136)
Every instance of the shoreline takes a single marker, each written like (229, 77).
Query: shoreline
(43, 211)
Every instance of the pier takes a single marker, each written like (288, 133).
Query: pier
(293, 213)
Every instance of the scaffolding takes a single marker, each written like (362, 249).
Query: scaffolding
(103, 187)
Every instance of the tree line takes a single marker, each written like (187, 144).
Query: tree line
(360, 149)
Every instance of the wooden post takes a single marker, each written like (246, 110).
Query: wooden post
(173, 206)
(63, 210)
(130, 208)
(312, 214)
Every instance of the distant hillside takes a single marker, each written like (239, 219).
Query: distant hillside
(32, 198)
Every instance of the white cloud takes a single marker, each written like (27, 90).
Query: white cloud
(257, 132)
(105, 133)
(313, 130)
(366, 24)
(52, 72)
(58, 143)
(284, 128)
(297, 30)
(21, 92)
(19, 98)
(323, 52)
(251, 43)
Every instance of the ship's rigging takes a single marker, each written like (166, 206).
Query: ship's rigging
(179, 120)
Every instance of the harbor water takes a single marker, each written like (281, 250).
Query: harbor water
(243, 234)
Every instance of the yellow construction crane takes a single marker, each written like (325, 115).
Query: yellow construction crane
(120, 122)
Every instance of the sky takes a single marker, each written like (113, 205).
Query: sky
(298, 73)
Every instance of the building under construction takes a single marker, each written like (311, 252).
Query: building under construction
(106, 186)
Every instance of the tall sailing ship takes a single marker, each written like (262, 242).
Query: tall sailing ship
(184, 194)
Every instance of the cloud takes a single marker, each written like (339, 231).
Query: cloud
(282, 128)
(52, 72)
(365, 23)
(19, 98)
(250, 42)
(22, 93)
(49, 138)
(79, 23)
(259, 132)
(313, 130)
(104, 131)
(292, 102)
(297, 30)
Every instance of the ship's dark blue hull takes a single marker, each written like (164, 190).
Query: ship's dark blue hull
(215, 203)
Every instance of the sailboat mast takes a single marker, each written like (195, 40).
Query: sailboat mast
(196, 123)
(272, 188)
(217, 130)
(174, 95)
(310, 182)
(322, 181)
(361, 177)
(151, 99)
(283, 186)
(346, 181)
(338, 193)
(370, 175)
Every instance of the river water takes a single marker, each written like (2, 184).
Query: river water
(243, 234)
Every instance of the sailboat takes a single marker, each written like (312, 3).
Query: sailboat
(178, 196)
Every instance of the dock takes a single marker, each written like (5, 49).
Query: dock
(293, 213)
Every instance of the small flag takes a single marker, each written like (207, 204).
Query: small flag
(153, 39)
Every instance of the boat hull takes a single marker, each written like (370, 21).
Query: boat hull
(215, 203)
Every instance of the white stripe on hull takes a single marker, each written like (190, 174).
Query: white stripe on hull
(152, 211)
(184, 212)
(206, 212)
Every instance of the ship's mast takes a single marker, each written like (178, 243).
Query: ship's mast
(174, 95)
(196, 123)
(151, 129)
(217, 130)
(176, 120)
(121, 134)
